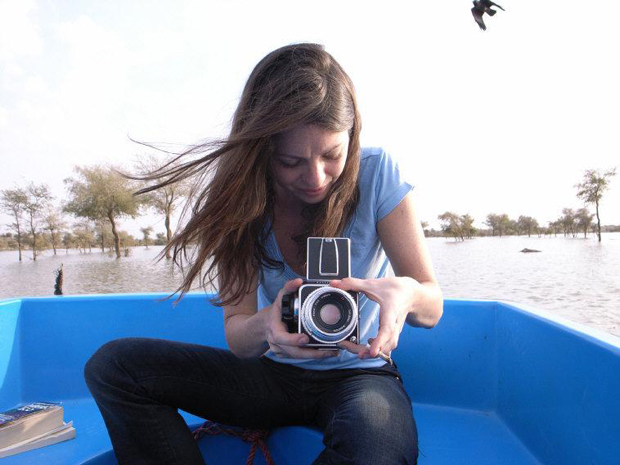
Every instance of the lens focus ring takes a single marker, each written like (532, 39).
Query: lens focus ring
(313, 327)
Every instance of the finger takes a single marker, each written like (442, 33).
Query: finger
(360, 350)
(292, 285)
(284, 338)
(381, 342)
(351, 284)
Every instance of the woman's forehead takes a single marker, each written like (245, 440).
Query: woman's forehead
(309, 139)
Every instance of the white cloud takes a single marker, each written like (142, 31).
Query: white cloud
(19, 33)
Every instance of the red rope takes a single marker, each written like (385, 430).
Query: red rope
(256, 437)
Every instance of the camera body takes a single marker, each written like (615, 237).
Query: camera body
(326, 314)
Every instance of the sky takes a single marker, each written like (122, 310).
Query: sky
(501, 121)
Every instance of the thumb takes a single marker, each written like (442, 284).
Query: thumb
(292, 285)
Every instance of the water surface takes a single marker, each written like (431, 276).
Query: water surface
(576, 278)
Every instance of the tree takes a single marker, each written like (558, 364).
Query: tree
(591, 190)
(13, 201)
(166, 199)
(451, 225)
(68, 241)
(467, 225)
(54, 224)
(84, 234)
(146, 232)
(527, 224)
(584, 220)
(568, 222)
(160, 239)
(38, 198)
(492, 222)
(101, 192)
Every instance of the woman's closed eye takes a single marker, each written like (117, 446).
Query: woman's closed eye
(294, 162)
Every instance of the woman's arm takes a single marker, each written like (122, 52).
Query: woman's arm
(402, 238)
(413, 295)
(245, 327)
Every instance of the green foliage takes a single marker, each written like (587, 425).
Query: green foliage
(101, 192)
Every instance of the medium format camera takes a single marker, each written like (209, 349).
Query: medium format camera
(326, 314)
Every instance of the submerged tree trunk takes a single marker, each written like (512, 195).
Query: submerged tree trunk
(19, 239)
(34, 239)
(598, 222)
(117, 239)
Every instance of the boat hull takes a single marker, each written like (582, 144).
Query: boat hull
(493, 382)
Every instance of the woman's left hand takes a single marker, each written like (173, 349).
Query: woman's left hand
(395, 296)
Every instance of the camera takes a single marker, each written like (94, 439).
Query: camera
(326, 314)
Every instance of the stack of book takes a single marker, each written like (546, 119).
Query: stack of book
(32, 426)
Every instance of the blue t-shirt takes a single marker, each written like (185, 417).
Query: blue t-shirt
(381, 187)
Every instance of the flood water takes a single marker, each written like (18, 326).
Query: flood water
(576, 278)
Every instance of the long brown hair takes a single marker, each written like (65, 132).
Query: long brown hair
(232, 200)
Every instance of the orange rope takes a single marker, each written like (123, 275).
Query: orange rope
(256, 437)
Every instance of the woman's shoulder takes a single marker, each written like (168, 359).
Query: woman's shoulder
(372, 153)
(374, 163)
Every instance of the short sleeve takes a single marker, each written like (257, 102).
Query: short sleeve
(390, 186)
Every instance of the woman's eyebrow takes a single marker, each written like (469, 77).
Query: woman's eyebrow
(280, 154)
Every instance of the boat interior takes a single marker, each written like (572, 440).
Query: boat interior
(492, 383)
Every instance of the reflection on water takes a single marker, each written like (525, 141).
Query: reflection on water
(88, 273)
(576, 278)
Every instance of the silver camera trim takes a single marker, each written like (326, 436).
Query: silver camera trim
(306, 323)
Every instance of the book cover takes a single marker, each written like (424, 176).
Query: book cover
(28, 421)
(62, 433)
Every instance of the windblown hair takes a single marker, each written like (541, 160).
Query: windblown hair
(232, 200)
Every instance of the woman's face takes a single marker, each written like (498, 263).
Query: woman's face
(307, 162)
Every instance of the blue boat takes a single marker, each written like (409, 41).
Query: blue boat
(492, 383)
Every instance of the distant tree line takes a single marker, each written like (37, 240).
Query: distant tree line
(570, 223)
(97, 198)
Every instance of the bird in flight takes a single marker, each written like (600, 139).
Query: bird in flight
(480, 8)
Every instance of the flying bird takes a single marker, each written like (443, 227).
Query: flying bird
(480, 8)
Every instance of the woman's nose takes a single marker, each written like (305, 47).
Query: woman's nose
(315, 176)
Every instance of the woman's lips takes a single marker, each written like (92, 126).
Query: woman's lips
(314, 192)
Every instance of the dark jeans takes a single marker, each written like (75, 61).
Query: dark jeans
(139, 384)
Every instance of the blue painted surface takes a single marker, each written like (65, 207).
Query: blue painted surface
(492, 383)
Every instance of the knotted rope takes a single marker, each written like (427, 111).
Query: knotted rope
(256, 437)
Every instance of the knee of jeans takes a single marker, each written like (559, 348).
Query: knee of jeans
(103, 366)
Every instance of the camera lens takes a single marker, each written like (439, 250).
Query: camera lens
(329, 314)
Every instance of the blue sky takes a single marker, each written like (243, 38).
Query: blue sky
(502, 121)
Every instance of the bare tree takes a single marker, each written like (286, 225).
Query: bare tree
(13, 201)
(591, 190)
(54, 224)
(164, 200)
(38, 199)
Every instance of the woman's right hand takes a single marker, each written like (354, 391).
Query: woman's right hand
(283, 343)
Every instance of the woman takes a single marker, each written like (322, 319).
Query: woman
(291, 168)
